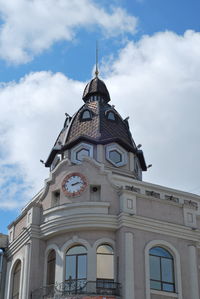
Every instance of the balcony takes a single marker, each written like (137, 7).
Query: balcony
(78, 287)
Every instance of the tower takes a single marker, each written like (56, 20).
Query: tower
(96, 230)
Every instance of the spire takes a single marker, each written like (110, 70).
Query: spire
(96, 71)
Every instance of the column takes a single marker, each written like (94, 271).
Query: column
(129, 267)
(25, 276)
(193, 273)
(60, 264)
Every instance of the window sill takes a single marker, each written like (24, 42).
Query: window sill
(169, 294)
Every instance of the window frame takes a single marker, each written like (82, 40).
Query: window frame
(161, 281)
(86, 118)
(107, 112)
(49, 261)
(177, 269)
(17, 264)
(120, 150)
(100, 279)
(77, 262)
(78, 148)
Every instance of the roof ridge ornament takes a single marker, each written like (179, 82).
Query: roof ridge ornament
(97, 54)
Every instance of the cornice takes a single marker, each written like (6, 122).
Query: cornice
(88, 222)
(159, 227)
(159, 188)
(78, 222)
(28, 233)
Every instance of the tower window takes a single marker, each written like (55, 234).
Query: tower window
(55, 198)
(161, 270)
(110, 115)
(86, 115)
(115, 156)
(82, 153)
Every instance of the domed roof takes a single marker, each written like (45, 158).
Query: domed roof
(102, 124)
(96, 86)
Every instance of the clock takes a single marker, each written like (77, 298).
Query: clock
(74, 184)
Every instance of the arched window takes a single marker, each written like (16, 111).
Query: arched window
(16, 280)
(105, 264)
(110, 115)
(161, 270)
(51, 263)
(76, 265)
(86, 115)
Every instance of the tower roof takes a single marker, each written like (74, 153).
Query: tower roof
(96, 86)
(102, 124)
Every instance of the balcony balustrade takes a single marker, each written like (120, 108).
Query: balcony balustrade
(69, 288)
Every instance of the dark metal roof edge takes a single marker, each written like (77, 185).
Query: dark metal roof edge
(99, 141)
(142, 160)
(51, 157)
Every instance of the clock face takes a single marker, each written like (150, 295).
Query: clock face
(73, 184)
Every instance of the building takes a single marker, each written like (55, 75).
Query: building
(96, 230)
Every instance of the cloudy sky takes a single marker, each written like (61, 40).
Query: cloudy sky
(149, 58)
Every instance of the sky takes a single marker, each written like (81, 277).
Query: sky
(149, 58)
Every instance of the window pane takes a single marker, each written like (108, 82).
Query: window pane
(111, 115)
(105, 266)
(168, 287)
(167, 269)
(70, 267)
(86, 115)
(155, 268)
(76, 250)
(81, 267)
(82, 153)
(16, 280)
(156, 285)
(158, 251)
(115, 156)
(106, 249)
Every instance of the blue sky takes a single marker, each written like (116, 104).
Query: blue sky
(149, 57)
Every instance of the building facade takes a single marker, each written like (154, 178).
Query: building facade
(96, 230)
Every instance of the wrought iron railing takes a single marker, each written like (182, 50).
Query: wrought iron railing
(77, 287)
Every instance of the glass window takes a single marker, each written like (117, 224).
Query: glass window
(51, 262)
(161, 270)
(115, 156)
(16, 280)
(76, 263)
(86, 115)
(105, 262)
(83, 152)
(111, 115)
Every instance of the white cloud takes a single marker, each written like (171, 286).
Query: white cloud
(31, 26)
(155, 81)
(31, 116)
(159, 80)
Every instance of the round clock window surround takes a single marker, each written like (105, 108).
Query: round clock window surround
(74, 184)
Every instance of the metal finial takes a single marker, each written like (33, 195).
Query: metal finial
(96, 71)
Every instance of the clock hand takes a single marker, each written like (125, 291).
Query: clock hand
(76, 183)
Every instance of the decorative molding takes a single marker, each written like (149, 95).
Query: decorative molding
(160, 227)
